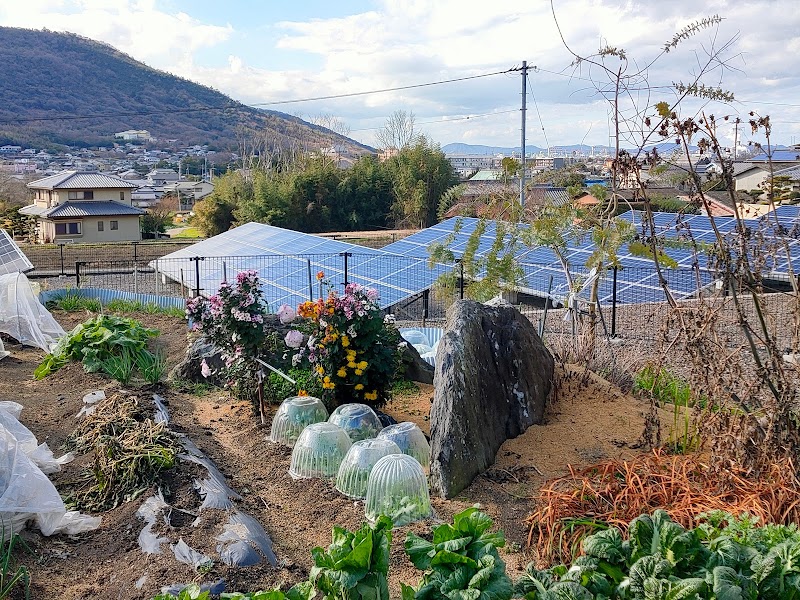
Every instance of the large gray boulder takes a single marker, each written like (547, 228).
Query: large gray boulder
(493, 377)
(414, 368)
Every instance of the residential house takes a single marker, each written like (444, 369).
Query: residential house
(134, 134)
(189, 192)
(161, 177)
(84, 206)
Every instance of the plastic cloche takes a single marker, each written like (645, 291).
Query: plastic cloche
(295, 414)
(357, 465)
(414, 337)
(319, 451)
(411, 441)
(398, 488)
(358, 420)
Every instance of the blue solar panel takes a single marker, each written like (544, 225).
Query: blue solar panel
(12, 260)
(288, 261)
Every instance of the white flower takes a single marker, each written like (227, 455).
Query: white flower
(402, 345)
(389, 320)
(351, 331)
(296, 360)
(286, 314)
(294, 339)
(323, 323)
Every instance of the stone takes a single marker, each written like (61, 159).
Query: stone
(414, 368)
(189, 368)
(493, 377)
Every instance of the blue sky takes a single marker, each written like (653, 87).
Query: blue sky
(273, 51)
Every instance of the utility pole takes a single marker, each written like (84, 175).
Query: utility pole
(524, 108)
(736, 138)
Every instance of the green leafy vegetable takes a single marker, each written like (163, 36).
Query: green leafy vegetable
(461, 562)
(104, 343)
(356, 565)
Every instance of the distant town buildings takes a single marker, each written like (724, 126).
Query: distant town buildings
(141, 135)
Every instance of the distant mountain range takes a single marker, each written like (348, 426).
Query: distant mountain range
(61, 89)
(458, 148)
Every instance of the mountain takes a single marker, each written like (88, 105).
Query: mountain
(457, 148)
(62, 77)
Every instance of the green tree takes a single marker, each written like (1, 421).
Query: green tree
(365, 196)
(420, 175)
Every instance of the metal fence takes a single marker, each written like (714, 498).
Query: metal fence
(60, 259)
(625, 309)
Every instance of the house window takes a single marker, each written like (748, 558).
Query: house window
(68, 228)
(81, 195)
(99, 226)
(122, 196)
(114, 225)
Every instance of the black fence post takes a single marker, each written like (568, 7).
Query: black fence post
(346, 255)
(425, 297)
(461, 281)
(197, 288)
(61, 250)
(614, 305)
(310, 281)
(78, 273)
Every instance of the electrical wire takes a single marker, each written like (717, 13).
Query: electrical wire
(255, 105)
(536, 105)
(442, 121)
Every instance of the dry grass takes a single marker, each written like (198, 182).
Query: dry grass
(615, 491)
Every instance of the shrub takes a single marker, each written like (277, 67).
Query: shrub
(233, 320)
(352, 349)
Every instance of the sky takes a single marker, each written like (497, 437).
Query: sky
(269, 52)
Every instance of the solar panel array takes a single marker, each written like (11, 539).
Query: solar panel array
(288, 261)
(637, 282)
(12, 260)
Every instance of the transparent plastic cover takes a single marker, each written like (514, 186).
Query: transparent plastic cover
(319, 451)
(295, 414)
(358, 420)
(411, 441)
(358, 463)
(398, 488)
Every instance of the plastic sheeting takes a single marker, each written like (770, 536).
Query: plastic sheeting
(150, 510)
(189, 556)
(213, 489)
(23, 317)
(40, 454)
(26, 493)
(241, 536)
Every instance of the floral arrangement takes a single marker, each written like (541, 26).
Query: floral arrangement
(233, 320)
(351, 347)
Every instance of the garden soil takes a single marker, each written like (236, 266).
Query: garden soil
(587, 420)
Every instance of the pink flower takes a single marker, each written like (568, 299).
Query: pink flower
(294, 339)
(205, 370)
(286, 314)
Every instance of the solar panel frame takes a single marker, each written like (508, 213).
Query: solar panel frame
(12, 258)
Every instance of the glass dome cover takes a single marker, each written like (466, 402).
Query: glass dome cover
(358, 463)
(398, 488)
(358, 420)
(293, 415)
(319, 451)
(415, 337)
(409, 437)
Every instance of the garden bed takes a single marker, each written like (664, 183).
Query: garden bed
(587, 421)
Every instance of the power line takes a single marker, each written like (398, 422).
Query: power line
(392, 89)
(255, 105)
(536, 105)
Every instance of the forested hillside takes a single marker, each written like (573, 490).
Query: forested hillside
(61, 77)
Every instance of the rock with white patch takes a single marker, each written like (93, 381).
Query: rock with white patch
(493, 376)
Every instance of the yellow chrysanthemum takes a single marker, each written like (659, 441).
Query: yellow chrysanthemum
(363, 364)
(359, 372)
(320, 369)
(359, 386)
(352, 365)
(345, 341)
(342, 373)
(326, 379)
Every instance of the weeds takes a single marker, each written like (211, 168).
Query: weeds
(73, 301)
(12, 578)
(194, 388)
(613, 492)
(404, 387)
(120, 305)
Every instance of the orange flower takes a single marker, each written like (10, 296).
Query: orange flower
(320, 275)
(302, 393)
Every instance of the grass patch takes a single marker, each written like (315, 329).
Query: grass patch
(404, 387)
(73, 301)
(191, 387)
(11, 578)
(190, 232)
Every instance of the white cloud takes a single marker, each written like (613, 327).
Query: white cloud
(402, 42)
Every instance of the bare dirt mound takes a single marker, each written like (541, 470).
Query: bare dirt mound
(587, 420)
